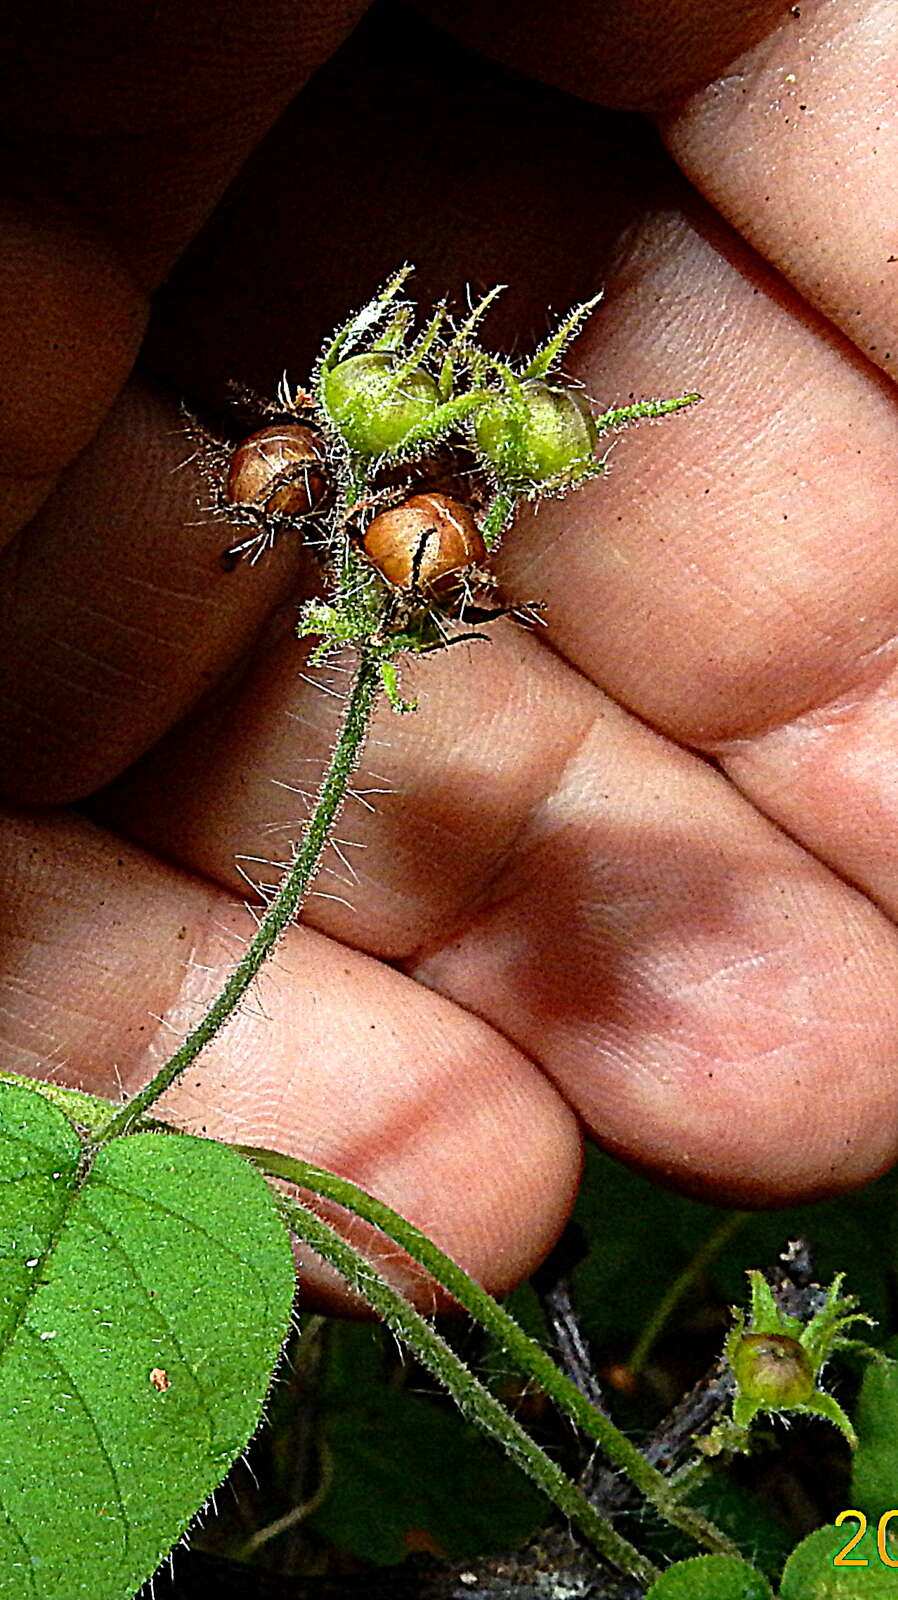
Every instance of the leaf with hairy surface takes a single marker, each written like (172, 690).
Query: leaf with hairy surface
(145, 1292)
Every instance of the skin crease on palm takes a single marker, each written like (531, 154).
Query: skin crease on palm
(631, 874)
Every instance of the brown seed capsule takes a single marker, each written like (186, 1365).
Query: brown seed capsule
(277, 470)
(425, 542)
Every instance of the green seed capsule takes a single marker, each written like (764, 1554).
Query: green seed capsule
(372, 406)
(558, 433)
(773, 1370)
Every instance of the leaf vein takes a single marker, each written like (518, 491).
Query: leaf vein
(52, 1356)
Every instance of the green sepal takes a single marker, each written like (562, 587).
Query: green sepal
(389, 677)
(393, 335)
(359, 323)
(432, 429)
(745, 1409)
(553, 349)
(539, 438)
(460, 343)
(640, 410)
(375, 398)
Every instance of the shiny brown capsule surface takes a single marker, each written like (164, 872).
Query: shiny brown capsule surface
(425, 542)
(277, 470)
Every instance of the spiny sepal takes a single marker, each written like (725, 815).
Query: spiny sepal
(776, 1359)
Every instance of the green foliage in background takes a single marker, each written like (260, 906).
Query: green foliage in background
(407, 1471)
(810, 1574)
(711, 1578)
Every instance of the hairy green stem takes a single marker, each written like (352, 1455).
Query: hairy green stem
(283, 907)
(472, 1396)
(691, 1476)
(527, 1355)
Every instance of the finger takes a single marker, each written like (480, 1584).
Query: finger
(435, 807)
(812, 107)
(141, 590)
(136, 121)
(630, 53)
(142, 117)
(71, 318)
(757, 563)
(695, 984)
(811, 104)
(335, 1058)
(761, 567)
(118, 615)
(708, 997)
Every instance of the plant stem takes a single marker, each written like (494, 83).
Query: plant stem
(472, 1396)
(691, 1476)
(712, 1246)
(283, 907)
(528, 1356)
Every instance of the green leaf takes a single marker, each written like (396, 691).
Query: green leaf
(87, 1110)
(629, 1219)
(810, 1575)
(407, 1471)
(145, 1293)
(748, 1518)
(874, 1477)
(711, 1578)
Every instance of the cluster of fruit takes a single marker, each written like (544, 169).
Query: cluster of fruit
(405, 460)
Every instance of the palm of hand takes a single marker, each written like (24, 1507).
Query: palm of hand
(564, 913)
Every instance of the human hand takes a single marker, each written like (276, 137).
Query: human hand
(574, 918)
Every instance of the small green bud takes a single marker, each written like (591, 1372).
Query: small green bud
(372, 405)
(772, 1370)
(555, 435)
